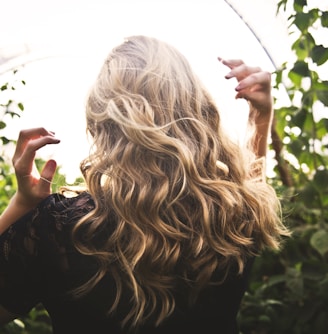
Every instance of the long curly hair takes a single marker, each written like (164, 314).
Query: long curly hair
(178, 192)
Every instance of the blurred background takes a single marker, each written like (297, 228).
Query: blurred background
(60, 45)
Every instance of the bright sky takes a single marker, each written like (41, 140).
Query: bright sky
(74, 36)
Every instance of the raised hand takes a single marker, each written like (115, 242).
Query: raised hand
(32, 186)
(254, 85)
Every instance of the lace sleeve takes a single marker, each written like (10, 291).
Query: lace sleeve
(18, 274)
(35, 252)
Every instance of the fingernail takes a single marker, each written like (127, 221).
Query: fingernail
(52, 165)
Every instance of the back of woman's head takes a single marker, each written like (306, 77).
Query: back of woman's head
(146, 104)
(153, 167)
(148, 83)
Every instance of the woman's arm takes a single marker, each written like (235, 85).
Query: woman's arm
(32, 187)
(254, 85)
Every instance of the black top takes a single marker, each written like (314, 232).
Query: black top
(39, 264)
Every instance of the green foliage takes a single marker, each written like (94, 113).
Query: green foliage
(288, 291)
(8, 110)
(37, 321)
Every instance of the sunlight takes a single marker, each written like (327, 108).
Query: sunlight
(66, 42)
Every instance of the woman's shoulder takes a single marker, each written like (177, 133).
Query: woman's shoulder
(59, 209)
(60, 202)
(53, 213)
(46, 226)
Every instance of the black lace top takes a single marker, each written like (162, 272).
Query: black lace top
(39, 264)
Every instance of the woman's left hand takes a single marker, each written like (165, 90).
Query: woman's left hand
(254, 85)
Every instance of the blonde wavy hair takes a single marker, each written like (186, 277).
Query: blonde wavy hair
(177, 192)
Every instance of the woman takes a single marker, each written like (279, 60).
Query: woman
(174, 212)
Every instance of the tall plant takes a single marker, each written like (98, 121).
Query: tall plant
(9, 109)
(289, 290)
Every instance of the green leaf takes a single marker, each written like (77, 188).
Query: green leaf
(310, 159)
(299, 4)
(304, 20)
(308, 125)
(319, 241)
(294, 281)
(320, 179)
(282, 3)
(296, 79)
(299, 118)
(300, 47)
(13, 114)
(278, 77)
(301, 68)
(296, 147)
(324, 19)
(298, 72)
(263, 318)
(308, 99)
(4, 140)
(321, 128)
(323, 97)
(20, 106)
(2, 125)
(276, 279)
(319, 54)
(325, 122)
(321, 89)
(308, 194)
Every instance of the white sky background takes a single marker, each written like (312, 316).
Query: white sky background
(75, 37)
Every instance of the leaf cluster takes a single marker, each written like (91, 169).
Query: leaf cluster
(288, 292)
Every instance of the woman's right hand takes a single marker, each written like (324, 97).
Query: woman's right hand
(32, 186)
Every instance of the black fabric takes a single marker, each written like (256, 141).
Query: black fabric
(39, 264)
